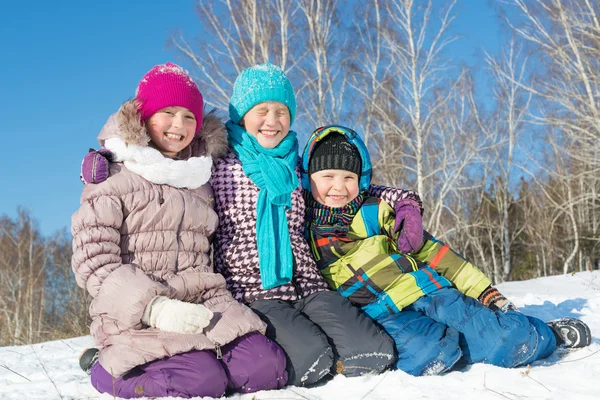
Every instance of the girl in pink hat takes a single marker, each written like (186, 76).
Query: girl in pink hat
(163, 321)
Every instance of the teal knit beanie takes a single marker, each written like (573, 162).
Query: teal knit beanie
(257, 84)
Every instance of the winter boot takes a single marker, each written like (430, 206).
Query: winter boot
(570, 332)
(88, 358)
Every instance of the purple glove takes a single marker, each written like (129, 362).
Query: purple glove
(409, 225)
(95, 167)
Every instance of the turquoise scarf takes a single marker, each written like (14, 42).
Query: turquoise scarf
(273, 171)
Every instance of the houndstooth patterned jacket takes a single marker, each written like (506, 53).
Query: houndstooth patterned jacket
(236, 254)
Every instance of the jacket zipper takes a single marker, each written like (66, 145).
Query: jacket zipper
(179, 232)
(161, 199)
(218, 351)
(293, 281)
(297, 290)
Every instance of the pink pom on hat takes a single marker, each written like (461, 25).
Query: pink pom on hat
(168, 85)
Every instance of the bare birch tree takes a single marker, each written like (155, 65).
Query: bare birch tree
(512, 108)
(22, 253)
(417, 112)
(567, 35)
(39, 299)
(303, 37)
(566, 38)
(411, 74)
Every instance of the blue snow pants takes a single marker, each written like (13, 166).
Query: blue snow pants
(437, 330)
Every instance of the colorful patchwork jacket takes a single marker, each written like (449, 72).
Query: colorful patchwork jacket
(356, 250)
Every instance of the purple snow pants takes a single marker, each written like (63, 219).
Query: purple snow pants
(250, 363)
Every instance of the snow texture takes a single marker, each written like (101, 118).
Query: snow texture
(50, 370)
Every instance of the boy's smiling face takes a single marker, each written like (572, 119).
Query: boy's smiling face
(268, 122)
(171, 129)
(334, 187)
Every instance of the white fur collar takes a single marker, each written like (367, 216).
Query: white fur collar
(150, 164)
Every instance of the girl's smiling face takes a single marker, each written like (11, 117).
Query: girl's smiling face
(171, 129)
(268, 122)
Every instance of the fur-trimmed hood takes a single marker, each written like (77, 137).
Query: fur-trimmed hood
(126, 124)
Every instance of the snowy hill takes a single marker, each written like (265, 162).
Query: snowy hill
(50, 370)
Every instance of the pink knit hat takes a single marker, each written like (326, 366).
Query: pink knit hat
(169, 85)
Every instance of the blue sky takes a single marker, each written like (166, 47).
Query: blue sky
(67, 65)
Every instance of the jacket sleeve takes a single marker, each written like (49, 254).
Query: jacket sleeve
(373, 272)
(393, 195)
(465, 276)
(233, 319)
(386, 217)
(121, 291)
(196, 286)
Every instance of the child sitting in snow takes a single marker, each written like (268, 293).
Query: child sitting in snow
(260, 246)
(425, 300)
(164, 322)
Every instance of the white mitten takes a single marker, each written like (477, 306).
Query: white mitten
(176, 316)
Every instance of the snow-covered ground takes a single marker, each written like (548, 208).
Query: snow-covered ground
(50, 370)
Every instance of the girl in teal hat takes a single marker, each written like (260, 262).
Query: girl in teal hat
(260, 246)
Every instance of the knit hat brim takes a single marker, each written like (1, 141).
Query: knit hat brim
(335, 152)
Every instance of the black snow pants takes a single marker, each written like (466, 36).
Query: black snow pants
(323, 335)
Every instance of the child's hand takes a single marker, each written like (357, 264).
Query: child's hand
(495, 301)
(409, 225)
(171, 315)
(95, 166)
